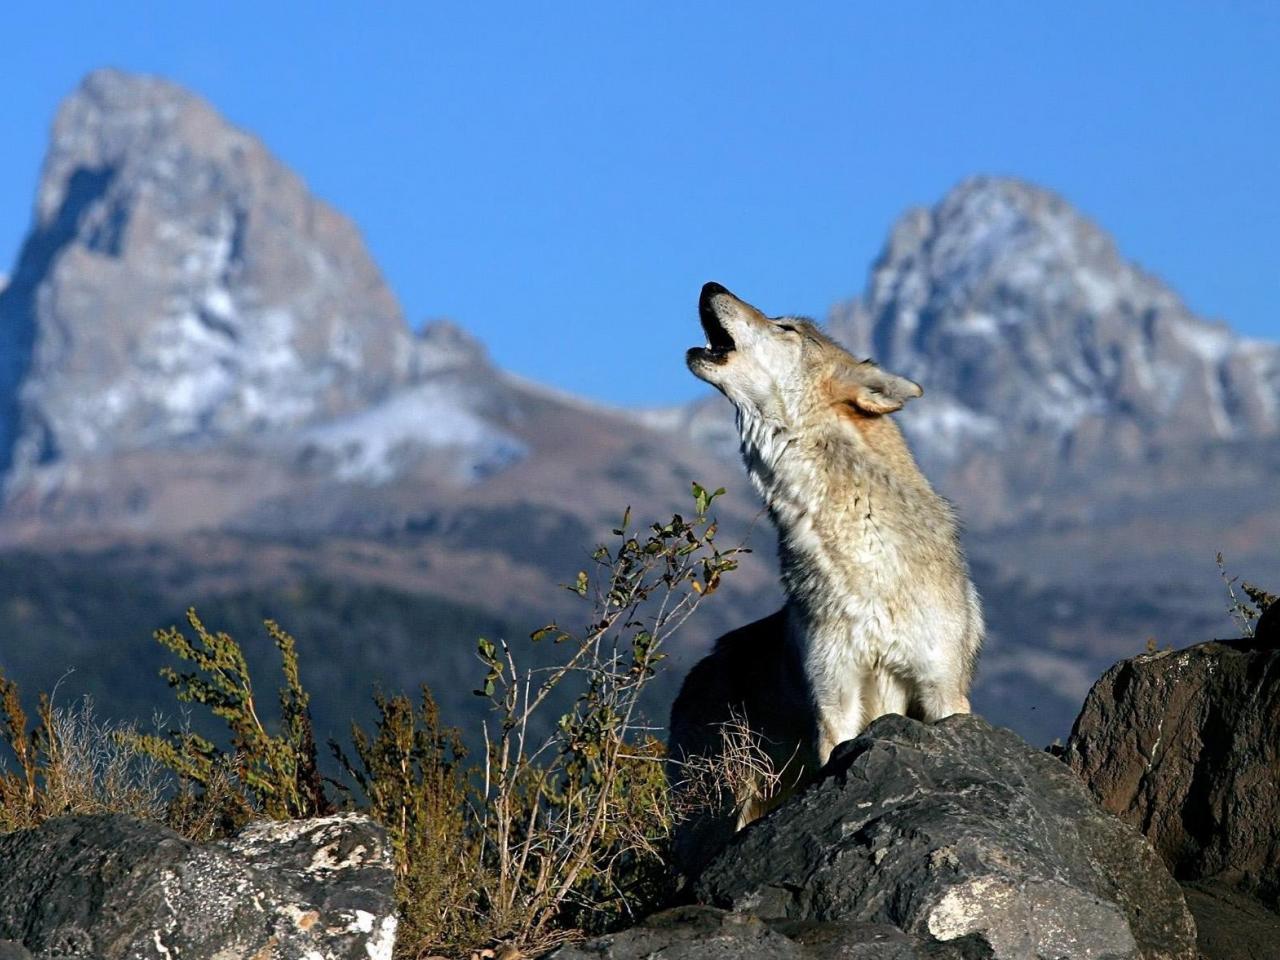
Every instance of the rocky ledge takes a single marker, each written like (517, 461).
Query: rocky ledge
(706, 933)
(1158, 838)
(109, 887)
(957, 829)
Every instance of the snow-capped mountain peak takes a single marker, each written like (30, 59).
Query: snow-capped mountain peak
(180, 286)
(1022, 319)
(179, 282)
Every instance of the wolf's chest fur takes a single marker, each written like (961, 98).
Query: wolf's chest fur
(855, 565)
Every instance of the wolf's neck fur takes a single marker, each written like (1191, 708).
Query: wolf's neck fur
(822, 486)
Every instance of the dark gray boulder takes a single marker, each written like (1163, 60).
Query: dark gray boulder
(705, 933)
(953, 829)
(1185, 746)
(108, 887)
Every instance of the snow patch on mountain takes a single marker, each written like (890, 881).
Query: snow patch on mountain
(374, 445)
(947, 428)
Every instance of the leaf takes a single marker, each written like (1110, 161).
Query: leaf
(700, 500)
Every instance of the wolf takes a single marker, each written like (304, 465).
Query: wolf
(880, 615)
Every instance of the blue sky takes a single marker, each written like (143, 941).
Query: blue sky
(560, 178)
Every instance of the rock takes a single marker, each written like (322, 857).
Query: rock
(878, 941)
(12, 950)
(107, 886)
(953, 829)
(705, 933)
(1231, 925)
(1184, 745)
(1267, 631)
(686, 933)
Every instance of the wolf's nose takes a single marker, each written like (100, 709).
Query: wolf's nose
(709, 290)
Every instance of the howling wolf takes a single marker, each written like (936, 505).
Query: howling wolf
(881, 616)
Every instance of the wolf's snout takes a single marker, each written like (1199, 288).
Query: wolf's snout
(720, 345)
(711, 288)
(719, 340)
(709, 292)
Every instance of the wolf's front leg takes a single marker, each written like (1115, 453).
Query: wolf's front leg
(938, 701)
(838, 720)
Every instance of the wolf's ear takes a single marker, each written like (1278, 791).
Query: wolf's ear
(872, 390)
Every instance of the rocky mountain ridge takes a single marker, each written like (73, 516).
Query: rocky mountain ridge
(181, 288)
(1046, 329)
(190, 285)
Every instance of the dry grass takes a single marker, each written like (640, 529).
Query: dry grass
(71, 762)
(739, 782)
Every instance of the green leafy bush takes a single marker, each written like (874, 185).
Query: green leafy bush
(263, 774)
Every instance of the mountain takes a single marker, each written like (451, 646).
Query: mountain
(193, 341)
(1042, 347)
(209, 395)
(180, 283)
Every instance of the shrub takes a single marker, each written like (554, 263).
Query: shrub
(264, 774)
(411, 779)
(575, 825)
(1245, 610)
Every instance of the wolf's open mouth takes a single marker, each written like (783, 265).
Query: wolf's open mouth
(719, 343)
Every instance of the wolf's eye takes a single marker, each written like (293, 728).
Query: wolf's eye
(788, 327)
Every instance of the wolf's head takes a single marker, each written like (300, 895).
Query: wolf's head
(785, 370)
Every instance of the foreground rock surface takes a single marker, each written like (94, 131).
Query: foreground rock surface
(951, 830)
(705, 933)
(110, 887)
(1185, 746)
